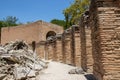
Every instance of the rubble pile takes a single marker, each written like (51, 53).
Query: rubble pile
(76, 71)
(19, 62)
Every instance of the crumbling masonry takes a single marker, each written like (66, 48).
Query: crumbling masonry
(94, 44)
(105, 26)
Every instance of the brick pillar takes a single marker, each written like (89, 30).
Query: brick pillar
(54, 51)
(50, 51)
(89, 50)
(59, 47)
(41, 49)
(51, 48)
(46, 51)
(105, 23)
(63, 48)
(73, 61)
(77, 46)
(67, 46)
(83, 45)
(86, 44)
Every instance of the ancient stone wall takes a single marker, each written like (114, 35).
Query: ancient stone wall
(41, 49)
(104, 20)
(46, 57)
(59, 48)
(83, 44)
(76, 45)
(67, 46)
(51, 51)
(86, 44)
(27, 34)
(63, 48)
(54, 51)
(36, 31)
(73, 47)
(94, 45)
(89, 55)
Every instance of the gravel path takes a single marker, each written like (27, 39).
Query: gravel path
(59, 71)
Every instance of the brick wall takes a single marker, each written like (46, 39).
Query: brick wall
(67, 46)
(86, 43)
(41, 49)
(30, 32)
(76, 45)
(59, 48)
(104, 20)
(73, 47)
(46, 57)
(96, 46)
(89, 55)
(51, 51)
(27, 34)
(36, 31)
(83, 44)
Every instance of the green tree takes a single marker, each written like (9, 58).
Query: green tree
(58, 22)
(11, 21)
(73, 13)
(3, 24)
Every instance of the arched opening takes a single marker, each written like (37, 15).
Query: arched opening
(50, 34)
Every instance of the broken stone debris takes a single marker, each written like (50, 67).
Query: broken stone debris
(76, 71)
(17, 62)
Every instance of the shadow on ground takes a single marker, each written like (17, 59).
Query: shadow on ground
(90, 77)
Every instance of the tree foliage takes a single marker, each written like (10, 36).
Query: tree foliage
(2, 24)
(9, 21)
(73, 13)
(58, 22)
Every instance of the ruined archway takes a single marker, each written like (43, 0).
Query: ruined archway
(50, 34)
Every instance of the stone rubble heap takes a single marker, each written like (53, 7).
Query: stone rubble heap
(76, 71)
(18, 62)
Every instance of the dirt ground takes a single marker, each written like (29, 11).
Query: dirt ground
(59, 71)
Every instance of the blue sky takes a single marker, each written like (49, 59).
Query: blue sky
(33, 10)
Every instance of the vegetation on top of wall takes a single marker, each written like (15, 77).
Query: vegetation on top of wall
(9, 21)
(74, 11)
(58, 22)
